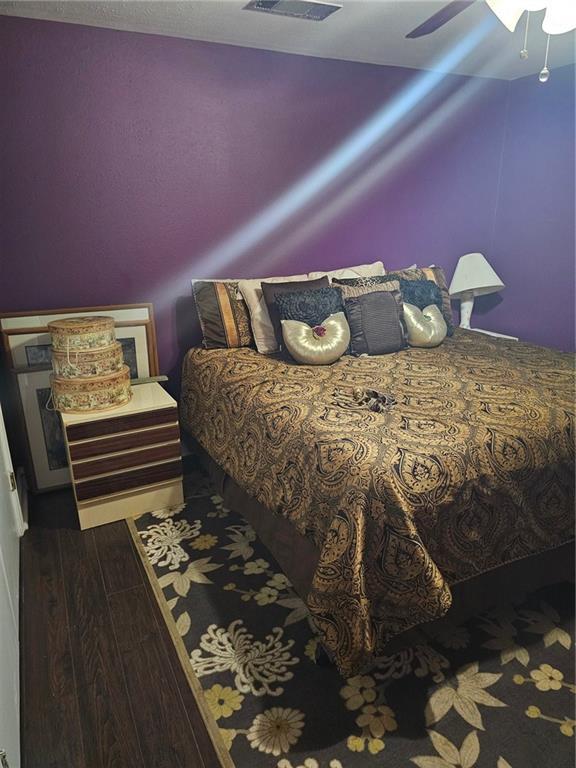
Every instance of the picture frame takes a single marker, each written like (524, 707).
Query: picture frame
(26, 338)
(27, 355)
(43, 429)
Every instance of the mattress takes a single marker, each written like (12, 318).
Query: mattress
(410, 472)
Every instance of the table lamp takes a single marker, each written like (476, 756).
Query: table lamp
(472, 277)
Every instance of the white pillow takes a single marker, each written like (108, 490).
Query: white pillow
(262, 327)
(362, 270)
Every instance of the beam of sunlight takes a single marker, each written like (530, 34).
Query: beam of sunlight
(382, 171)
(342, 158)
(332, 168)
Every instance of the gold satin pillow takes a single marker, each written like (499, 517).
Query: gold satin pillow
(424, 327)
(319, 345)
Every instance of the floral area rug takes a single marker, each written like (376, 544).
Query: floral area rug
(496, 692)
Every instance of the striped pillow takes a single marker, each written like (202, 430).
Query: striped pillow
(375, 321)
(223, 314)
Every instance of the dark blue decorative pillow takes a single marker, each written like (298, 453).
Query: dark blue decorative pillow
(311, 307)
(421, 293)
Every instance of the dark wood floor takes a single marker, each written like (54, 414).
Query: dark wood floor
(102, 686)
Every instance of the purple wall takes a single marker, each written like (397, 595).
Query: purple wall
(125, 158)
(534, 228)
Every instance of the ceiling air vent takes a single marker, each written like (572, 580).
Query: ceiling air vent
(312, 10)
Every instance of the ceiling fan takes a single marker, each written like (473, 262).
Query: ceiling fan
(441, 17)
(560, 15)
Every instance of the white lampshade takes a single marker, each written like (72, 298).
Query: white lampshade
(473, 275)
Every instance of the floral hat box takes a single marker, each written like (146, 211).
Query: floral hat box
(91, 394)
(82, 333)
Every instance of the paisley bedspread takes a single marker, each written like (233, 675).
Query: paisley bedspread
(467, 465)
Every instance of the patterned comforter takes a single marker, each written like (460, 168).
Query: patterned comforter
(467, 465)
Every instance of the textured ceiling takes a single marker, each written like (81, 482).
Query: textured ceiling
(370, 31)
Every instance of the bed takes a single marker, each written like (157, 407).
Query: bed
(399, 477)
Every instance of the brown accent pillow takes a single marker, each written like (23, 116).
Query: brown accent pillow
(375, 321)
(271, 290)
(223, 314)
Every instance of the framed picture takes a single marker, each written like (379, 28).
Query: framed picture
(46, 448)
(26, 338)
(28, 354)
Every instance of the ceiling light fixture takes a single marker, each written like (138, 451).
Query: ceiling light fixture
(560, 17)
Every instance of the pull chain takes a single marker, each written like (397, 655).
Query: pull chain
(545, 72)
(524, 51)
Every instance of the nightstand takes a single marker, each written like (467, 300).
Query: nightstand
(127, 460)
(493, 333)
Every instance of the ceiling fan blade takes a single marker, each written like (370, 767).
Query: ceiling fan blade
(441, 17)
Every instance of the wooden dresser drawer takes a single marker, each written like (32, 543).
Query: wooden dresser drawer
(123, 442)
(107, 464)
(133, 421)
(122, 481)
(126, 461)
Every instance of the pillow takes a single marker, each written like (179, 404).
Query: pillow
(321, 345)
(223, 314)
(362, 270)
(271, 290)
(424, 327)
(421, 293)
(436, 274)
(310, 307)
(364, 282)
(375, 321)
(260, 321)
(349, 291)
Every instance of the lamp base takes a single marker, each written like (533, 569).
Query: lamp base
(493, 333)
(466, 307)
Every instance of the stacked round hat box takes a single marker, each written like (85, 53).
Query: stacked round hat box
(89, 371)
